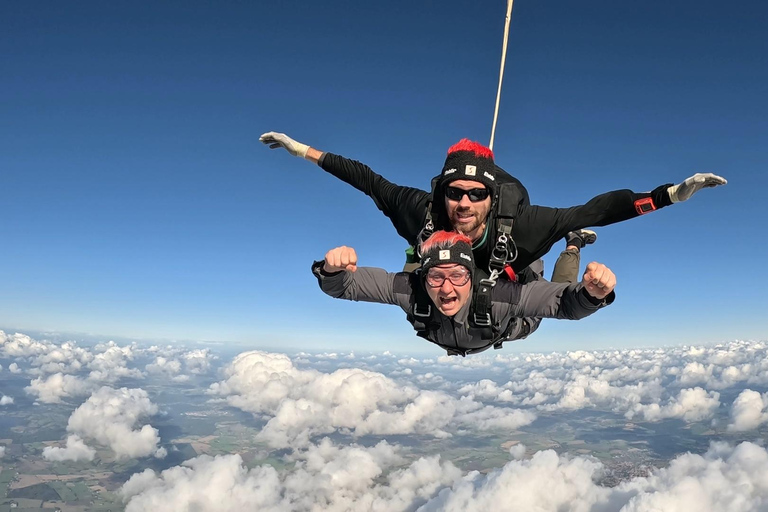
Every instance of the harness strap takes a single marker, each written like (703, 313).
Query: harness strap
(420, 314)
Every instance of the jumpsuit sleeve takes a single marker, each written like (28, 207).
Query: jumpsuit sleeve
(406, 207)
(538, 228)
(543, 299)
(367, 284)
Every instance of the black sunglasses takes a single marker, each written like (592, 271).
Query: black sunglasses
(475, 194)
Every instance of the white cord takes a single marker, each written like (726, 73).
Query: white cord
(501, 71)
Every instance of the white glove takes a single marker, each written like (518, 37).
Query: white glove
(280, 140)
(683, 191)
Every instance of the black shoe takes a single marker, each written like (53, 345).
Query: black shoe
(581, 238)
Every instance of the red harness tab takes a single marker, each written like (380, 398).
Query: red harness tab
(644, 205)
(510, 273)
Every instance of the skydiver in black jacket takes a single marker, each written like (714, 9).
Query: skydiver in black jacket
(468, 198)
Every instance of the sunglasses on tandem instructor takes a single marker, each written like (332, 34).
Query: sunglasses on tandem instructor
(475, 194)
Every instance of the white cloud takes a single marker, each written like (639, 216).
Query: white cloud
(6, 400)
(748, 411)
(56, 387)
(473, 415)
(164, 366)
(354, 478)
(75, 449)
(110, 363)
(109, 417)
(64, 358)
(2, 451)
(14, 368)
(300, 404)
(325, 477)
(724, 478)
(544, 483)
(693, 404)
(198, 361)
(517, 451)
(21, 345)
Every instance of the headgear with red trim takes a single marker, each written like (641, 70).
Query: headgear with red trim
(447, 247)
(469, 160)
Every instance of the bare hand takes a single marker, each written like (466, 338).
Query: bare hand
(340, 258)
(599, 280)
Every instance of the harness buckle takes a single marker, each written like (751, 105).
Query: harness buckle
(498, 345)
(488, 282)
(482, 320)
(422, 312)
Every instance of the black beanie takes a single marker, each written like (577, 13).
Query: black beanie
(468, 160)
(459, 253)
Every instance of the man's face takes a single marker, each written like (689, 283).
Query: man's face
(465, 216)
(448, 297)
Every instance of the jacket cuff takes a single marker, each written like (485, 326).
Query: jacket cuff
(660, 195)
(319, 271)
(607, 301)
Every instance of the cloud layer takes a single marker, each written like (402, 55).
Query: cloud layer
(354, 478)
(299, 404)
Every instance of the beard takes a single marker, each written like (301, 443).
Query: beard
(466, 228)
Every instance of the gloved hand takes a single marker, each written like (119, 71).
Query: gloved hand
(683, 191)
(280, 140)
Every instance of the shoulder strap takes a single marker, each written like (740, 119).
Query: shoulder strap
(430, 218)
(420, 314)
(504, 250)
(481, 313)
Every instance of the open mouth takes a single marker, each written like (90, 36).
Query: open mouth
(464, 216)
(445, 301)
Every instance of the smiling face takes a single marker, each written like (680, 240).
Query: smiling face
(448, 297)
(465, 216)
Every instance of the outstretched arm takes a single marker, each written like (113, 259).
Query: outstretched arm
(557, 300)
(406, 207)
(339, 276)
(538, 228)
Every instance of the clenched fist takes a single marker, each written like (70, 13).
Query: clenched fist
(598, 280)
(340, 258)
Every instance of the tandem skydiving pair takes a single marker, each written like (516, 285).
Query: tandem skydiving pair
(475, 278)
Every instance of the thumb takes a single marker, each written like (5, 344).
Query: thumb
(352, 267)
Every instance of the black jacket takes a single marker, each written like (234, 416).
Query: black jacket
(536, 228)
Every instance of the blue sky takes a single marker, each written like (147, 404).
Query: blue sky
(138, 201)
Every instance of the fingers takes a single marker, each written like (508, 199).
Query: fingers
(707, 179)
(713, 180)
(341, 258)
(273, 139)
(268, 137)
(599, 280)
